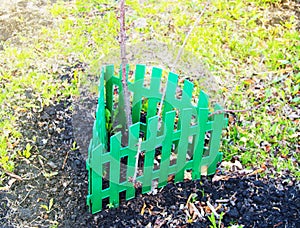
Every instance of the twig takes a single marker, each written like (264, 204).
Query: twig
(202, 210)
(222, 200)
(197, 212)
(178, 57)
(188, 35)
(137, 160)
(228, 111)
(25, 197)
(32, 178)
(65, 160)
(14, 176)
(212, 209)
(124, 62)
(234, 111)
(187, 213)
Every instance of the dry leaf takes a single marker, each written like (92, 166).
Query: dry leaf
(5, 188)
(196, 211)
(218, 178)
(187, 175)
(207, 209)
(171, 178)
(143, 209)
(260, 170)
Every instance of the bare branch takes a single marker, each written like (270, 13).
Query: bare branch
(212, 209)
(178, 57)
(241, 110)
(228, 111)
(137, 160)
(188, 35)
(124, 62)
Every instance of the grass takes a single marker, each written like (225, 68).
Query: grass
(252, 47)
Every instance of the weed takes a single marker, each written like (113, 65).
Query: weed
(48, 207)
(111, 121)
(110, 205)
(74, 146)
(26, 153)
(213, 221)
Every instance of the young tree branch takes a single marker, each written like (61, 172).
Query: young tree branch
(240, 110)
(126, 94)
(188, 35)
(136, 168)
(178, 57)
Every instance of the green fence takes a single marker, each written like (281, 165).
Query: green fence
(187, 140)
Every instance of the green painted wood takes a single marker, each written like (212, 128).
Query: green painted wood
(99, 154)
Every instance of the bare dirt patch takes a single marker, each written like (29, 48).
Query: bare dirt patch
(22, 16)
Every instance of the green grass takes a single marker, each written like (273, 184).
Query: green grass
(253, 53)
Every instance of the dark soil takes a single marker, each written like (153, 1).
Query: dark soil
(56, 170)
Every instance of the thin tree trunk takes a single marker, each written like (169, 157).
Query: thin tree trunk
(126, 94)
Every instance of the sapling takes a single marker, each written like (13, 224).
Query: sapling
(126, 94)
(123, 67)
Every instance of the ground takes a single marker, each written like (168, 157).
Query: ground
(247, 198)
(48, 187)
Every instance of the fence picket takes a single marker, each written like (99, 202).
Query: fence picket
(186, 114)
(166, 148)
(114, 178)
(138, 85)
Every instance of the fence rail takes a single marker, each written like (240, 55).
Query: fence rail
(188, 139)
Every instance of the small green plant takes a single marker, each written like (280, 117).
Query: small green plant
(202, 193)
(48, 207)
(74, 146)
(110, 121)
(145, 106)
(110, 205)
(54, 225)
(26, 153)
(213, 221)
(192, 198)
